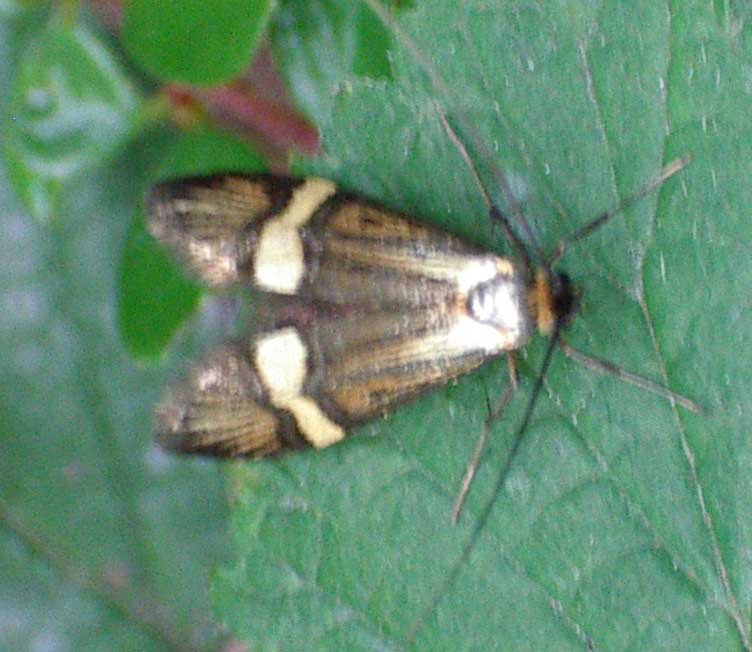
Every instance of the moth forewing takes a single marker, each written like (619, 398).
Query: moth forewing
(378, 309)
(212, 225)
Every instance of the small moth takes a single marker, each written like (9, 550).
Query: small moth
(372, 309)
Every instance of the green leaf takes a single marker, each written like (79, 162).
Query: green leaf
(624, 522)
(192, 42)
(105, 542)
(322, 44)
(70, 108)
(154, 297)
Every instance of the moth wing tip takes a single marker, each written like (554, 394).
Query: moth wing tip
(170, 423)
(159, 218)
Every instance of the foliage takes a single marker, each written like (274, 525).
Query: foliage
(624, 523)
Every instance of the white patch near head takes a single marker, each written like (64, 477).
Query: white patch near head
(480, 269)
(282, 363)
(467, 333)
(279, 265)
(496, 321)
(500, 306)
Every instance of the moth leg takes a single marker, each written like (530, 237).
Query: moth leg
(514, 374)
(607, 367)
(480, 445)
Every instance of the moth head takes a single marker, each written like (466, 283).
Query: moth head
(554, 299)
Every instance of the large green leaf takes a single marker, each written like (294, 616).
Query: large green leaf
(105, 542)
(624, 522)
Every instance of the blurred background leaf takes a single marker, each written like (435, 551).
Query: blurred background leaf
(624, 522)
(106, 542)
(70, 107)
(192, 42)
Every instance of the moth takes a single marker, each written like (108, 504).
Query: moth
(370, 309)
(366, 308)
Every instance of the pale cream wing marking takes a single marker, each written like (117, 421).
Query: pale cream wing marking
(279, 263)
(281, 360)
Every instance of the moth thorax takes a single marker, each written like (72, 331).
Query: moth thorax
(502, 303)
(553, 300)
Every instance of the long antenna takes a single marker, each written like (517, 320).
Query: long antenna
(485, 513)
(584, 231)
(494, 212)
(439, 84)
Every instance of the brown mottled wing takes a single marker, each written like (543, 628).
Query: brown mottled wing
(211, 222)
(253, 228)
(354, 368)
(221, 409)
(364, 364)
